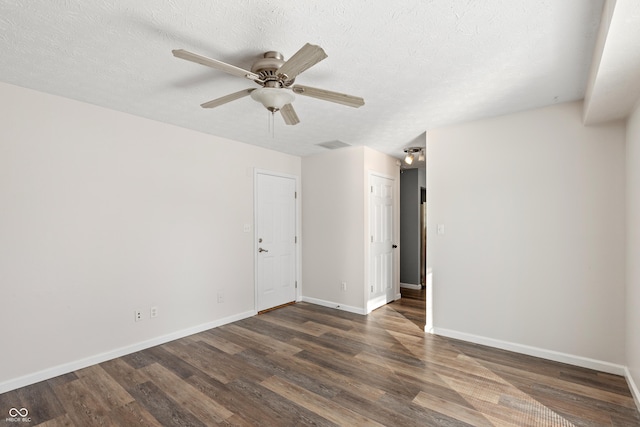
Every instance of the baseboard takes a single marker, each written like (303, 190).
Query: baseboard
(375, 303)
(331, 304)
(556, 356)
(66, 368)
(411, 286)
(633, 387)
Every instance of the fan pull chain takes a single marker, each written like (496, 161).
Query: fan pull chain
(272, 125)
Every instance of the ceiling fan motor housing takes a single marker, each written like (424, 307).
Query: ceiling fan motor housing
(267, 68)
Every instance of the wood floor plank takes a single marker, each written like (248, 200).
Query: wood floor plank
(104, 387)
(81, 405)
(310, 365)
(388, 416)
(275, 366)
(201, 359)
(285, 412)
(48, 406)
(190, 398)
(133, 414)
(219, 343)
(61, 421)
(310, 328)
(425, 416)
(326, 408)
(122, 372)
(164, 409)
(264, 342)
(459, 412)
(246, 412)
(174, 363)
(344, 382)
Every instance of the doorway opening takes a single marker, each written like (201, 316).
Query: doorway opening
(413, 238)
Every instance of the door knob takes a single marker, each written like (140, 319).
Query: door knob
(394, 246)
(262, 250)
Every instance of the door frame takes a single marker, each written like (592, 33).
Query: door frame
(298, 227)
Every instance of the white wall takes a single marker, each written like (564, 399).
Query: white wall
(533, 254)
(335, 205)
(332, 231)
(633, 249)
(102, 213)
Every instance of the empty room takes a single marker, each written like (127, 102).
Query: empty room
(282, 213)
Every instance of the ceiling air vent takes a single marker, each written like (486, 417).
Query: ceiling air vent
(333, 145)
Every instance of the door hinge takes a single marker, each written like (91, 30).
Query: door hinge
(371, 239)
(295, 239)
(296, 284)
(295, 194)
(372, 188)
(371, 288)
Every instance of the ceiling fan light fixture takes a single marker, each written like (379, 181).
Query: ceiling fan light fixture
(411, 151)
(408, 159)
(273, 99)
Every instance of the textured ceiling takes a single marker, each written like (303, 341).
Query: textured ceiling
(418, 64)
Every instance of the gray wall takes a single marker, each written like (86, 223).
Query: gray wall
(410, 182)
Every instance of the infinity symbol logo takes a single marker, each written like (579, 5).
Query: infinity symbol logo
(22, 412)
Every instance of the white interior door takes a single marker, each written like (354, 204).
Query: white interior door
(276, 240)
(382, 245)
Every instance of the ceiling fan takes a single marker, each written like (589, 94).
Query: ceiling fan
(276, 77)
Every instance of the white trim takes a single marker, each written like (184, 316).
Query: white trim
(556, 356)
(411, 286)
(428, 325)
(330, 304)
(381, 175)
(376, 302)
(633, 387)
(66, 368)
(398, 296)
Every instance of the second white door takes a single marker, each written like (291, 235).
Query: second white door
(381, 290)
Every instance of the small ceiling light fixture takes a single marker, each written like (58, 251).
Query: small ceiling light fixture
(408, 159)
(273, 99)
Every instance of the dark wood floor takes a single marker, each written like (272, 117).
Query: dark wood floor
(309, 365)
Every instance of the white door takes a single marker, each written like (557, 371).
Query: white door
(276, 240)
(382, 245)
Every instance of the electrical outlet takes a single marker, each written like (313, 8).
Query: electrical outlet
(343, 286)
(220, 297)
(138, 315)
(153, 312)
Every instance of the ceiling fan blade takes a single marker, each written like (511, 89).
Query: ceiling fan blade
(327, 95)
(214, 63)
(227, 98)
(289, 115)
(308, 56)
